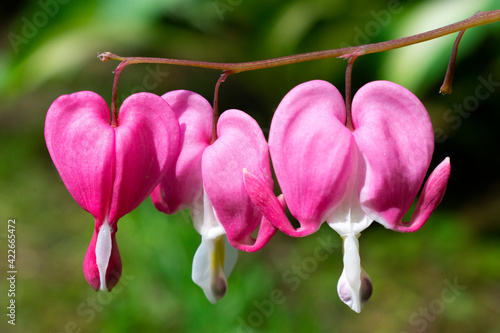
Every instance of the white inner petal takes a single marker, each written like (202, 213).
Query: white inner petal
(348, 217)
(209, 267)
(352, 268)
(352, 260)
(103, 252)
(201, 272)
(230, 257)
(205, 219)
(215, 258)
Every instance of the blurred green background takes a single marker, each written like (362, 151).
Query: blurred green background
(443, 278)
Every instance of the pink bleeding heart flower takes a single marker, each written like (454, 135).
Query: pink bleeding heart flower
(110, 170)
(240, 147)
(351, 177)
(208, 180)
(182, 188)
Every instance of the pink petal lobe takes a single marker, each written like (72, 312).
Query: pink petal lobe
(394, 133)
(311, 150)
(183, 185)
(431, 196)
(81, 143)
(90, 269)
(266, 232)
(240, 145)
(273, 207)
(147, 145)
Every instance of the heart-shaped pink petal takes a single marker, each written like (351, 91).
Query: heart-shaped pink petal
(110, 170)
(240, 145)
(311, 150)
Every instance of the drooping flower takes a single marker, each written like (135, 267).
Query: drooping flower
(182, 188)
(208, 180)
(240, 146)
(110, 170)
(351, 177)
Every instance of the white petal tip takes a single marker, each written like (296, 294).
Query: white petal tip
(208, 268)
(356, 300)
